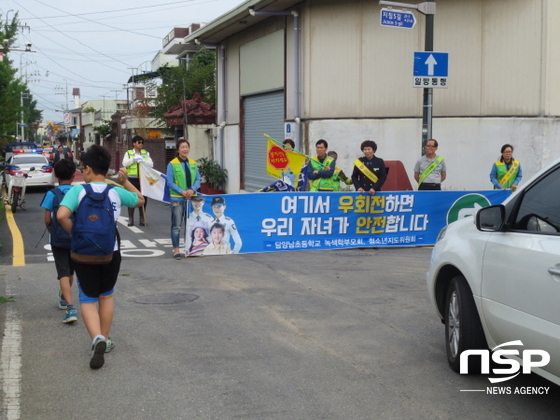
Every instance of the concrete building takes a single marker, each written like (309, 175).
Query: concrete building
(94, 113)
(331, 70)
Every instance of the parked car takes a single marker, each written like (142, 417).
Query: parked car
(42, 174)
(20, 147)
(495, 279)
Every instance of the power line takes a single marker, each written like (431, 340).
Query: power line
(119, 10)
(77, 40)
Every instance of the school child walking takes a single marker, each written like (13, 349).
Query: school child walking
(95, 208)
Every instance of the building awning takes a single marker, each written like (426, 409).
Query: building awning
(139, 78)
(238, 19)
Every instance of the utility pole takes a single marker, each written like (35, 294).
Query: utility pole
(65, 93)
(22, 125)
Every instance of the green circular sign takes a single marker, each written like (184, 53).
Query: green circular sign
(466, 206)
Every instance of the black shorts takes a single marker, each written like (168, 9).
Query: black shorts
(97, 279)
(62, 261)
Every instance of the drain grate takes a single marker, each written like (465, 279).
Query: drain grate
(165, 299)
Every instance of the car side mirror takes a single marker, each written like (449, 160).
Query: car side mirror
(491, 219)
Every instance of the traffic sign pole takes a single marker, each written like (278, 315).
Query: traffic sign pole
(428, 98)
(428, 8)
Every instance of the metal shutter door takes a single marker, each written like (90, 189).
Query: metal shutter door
(264, 114)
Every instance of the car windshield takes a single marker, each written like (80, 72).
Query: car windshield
(22, 160)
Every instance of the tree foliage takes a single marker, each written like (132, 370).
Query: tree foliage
(182, 82)
(12, 89)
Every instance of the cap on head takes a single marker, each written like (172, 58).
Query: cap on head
(197, 197)
(218, 201)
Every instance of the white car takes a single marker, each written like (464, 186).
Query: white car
(495, 283)
(42, 174)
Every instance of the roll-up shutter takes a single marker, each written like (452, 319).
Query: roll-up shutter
(264, 114)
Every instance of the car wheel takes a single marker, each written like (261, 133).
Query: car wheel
(463, 329)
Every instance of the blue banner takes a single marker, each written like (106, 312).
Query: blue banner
(297, 220)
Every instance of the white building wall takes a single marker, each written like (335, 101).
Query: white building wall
(231, 158)
(354, 67)
(504, 78)
(469, 145)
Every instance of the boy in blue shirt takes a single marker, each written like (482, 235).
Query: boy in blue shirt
(96, 281)
(64, 170)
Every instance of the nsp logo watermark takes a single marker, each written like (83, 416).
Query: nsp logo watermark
(531, 358)
(499, 356)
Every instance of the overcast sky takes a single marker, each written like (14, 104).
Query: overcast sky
(95, 45)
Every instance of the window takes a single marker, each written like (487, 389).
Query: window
(539, 210)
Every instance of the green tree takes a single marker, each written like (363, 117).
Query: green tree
(12, 89)
(182, 82)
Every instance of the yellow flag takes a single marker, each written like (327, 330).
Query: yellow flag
(284, 164)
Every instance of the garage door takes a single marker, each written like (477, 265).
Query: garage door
(264, 114)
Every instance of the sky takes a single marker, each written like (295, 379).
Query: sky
(94, 45)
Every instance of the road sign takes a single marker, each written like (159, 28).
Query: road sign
(431, 69)
(397, 18)
(22, 125)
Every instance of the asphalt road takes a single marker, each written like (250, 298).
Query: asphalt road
(344, 334)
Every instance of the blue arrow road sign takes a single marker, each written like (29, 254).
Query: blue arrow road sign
(431, 64)
(397, 18)
(431, 69)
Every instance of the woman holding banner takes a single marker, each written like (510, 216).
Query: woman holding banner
(183, 180)
(506, 172)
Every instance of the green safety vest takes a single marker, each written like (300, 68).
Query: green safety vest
(133, 169)
(322, 184)
(179, 176)
(506, 177)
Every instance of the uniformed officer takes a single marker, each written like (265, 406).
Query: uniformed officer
(131, 161)
(218, 207)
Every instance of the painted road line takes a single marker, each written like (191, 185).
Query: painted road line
(17, 240)
(10, 363)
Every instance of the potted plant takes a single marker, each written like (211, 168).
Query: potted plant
(213, 175)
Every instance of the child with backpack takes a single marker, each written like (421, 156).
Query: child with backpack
(64, 170)
(90, 213)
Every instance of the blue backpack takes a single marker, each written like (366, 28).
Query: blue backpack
(59, 237)
(94, 230)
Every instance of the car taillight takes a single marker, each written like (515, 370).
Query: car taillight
(47, 169)
(12, 170)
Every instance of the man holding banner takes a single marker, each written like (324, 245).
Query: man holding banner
(369, 173)
(430, 170)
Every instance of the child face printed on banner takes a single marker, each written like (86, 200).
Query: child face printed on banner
(217, 235)
(199, 235)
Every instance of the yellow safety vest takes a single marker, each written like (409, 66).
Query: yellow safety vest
(134, 170)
